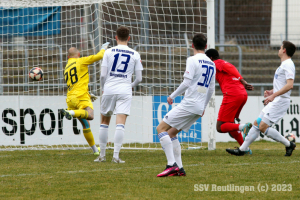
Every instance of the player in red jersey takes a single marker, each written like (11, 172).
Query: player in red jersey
(235, 96)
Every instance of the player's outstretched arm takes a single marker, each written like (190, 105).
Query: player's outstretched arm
(138, 68)
(181, 89)
(104, 70)
(138, 78)
(188, 76)
(103, 76)
(288, 86)
(230, 69)
(93, 58)
(268, 93)
(93, 97)
(246, 85)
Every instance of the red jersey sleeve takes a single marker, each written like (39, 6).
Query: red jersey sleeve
(230, 69)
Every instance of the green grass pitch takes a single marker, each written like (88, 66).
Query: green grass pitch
(72, 174)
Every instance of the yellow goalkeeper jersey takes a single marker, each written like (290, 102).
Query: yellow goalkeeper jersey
(77, 75)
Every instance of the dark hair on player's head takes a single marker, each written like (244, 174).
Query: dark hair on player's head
(213, 53)
(290, 48)
(123, 33)
(199, 41)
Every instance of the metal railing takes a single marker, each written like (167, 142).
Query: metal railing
(262, 86)
(150, 86)
(94, 85)
(169, 46)
(259, 41)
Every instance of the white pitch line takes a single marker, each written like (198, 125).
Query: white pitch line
(139, 168)
(5, 156)
(65, 154)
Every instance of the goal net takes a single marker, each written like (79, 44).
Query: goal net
(39, 33)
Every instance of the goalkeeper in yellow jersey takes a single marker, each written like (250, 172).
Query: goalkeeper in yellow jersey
(79, 100)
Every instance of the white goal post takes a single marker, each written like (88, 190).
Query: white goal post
(211, 44)
(38, 33)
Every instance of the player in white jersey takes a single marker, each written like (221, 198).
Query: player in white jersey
(118, 65)
(277, 102)
(198, 85)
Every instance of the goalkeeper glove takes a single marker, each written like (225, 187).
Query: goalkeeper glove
(93, 97)
(105, 45)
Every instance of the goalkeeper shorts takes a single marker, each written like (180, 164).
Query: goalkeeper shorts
(79, 102)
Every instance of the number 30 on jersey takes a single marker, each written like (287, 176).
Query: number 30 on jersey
(207, 76)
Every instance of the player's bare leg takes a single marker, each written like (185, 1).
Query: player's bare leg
(177, 151)
(103, 137)
(163, 127)
(90, 113)
(275, 135)
(173, 132)
(105, 119)
(119, 137)
(121, 119)
(166, 144)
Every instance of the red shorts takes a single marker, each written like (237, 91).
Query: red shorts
(231, 107)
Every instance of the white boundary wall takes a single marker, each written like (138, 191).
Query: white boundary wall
(141, 113)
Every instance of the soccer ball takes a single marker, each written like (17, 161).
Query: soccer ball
(36, 74)
(290, 137)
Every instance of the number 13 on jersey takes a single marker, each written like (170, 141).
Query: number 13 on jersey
(125, 63)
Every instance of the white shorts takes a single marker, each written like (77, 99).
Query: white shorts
(275, 110)
(115, 104)
(180, 119)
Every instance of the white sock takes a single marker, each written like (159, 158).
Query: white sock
(167, 146)
(119, 136)
(275, 135)
(94, 148)
(241, 127)
(177, 151)
(252, 135)
(72, 112)
(103, 137)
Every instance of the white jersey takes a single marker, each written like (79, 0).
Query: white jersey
(284, 72)
(121, 61)
(202, 71)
